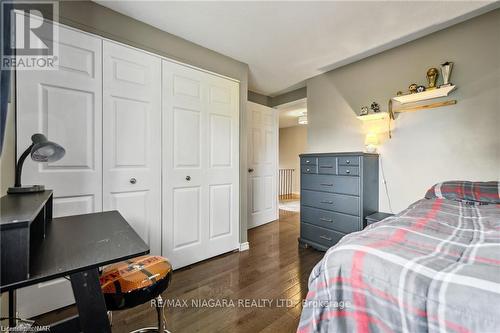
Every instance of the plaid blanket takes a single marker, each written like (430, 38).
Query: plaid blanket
(483, 192)
(435, 267)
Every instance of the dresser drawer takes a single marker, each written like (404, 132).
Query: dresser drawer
(333, 184)
(319, 235)
(327, 165)
(346, 170)
(349, 160)
(309, 161)
(330, 201)
(330, 220)
(309, 168)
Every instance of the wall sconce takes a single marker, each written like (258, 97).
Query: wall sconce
(371, 142)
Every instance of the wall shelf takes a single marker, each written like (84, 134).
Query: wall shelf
(374, 116)
(428, 106)
(425, 95)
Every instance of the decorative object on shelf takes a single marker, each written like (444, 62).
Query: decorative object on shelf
(446, 72)
(375, 107)
(412, 88)
(302, 119)
(41, 150)
(364, 111)
(420, 89)
(432, 76)
(371, 142)
(399, 93)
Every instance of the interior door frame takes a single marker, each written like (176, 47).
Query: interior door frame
(276, 171)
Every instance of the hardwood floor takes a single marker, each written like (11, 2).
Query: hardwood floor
(274, 270)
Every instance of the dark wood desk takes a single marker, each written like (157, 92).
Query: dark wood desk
(76, 246)
(23, 218)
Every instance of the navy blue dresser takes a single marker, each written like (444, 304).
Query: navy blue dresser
(337, 192)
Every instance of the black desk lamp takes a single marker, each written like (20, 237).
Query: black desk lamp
(41, 150)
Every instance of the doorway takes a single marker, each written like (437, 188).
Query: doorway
(293, 121)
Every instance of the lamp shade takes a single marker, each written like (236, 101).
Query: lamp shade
(44, 150)
(40, 150)
(371, 139)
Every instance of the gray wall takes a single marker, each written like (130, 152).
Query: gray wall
(91, 17)
(454, 142)
(288, 97)
(259, 98)
(284, 98)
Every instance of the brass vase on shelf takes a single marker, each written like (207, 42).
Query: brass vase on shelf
(432, 76)
(446, 71)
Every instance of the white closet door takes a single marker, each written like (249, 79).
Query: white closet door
(262, 164)
(65, 105)
(132, 139)
(201, 164)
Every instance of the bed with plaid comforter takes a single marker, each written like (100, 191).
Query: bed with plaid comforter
(435, 267)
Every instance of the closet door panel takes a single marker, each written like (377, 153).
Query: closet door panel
(184, 155)
(200, 172)
(132, 139)
(222, 170)
(66, 105)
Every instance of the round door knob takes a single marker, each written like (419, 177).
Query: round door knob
(133, 180)
(347, 162)
(188, 178)
(347, 171)
(250, 170)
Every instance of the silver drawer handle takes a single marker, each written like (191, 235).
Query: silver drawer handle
(308, 170)
(326, 166)
(347, 161)
(307, 161)
(326, 184)
(347, 171)
(325, 219)
(326, 238)
(327, 202)
(133, 180)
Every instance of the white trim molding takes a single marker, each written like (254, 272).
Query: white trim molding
(244, 246)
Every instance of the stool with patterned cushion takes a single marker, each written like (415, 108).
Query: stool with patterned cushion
(136, 281)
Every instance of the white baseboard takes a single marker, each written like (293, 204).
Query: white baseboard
(244, 246)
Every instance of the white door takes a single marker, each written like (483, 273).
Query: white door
(262, 164)
(200, 164)
(65, 105)
(132, 139)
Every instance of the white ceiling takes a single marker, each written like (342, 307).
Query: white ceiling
(288, 113)
(285, 43)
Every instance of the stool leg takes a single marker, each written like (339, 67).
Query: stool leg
(159, 312)
(110, 318)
